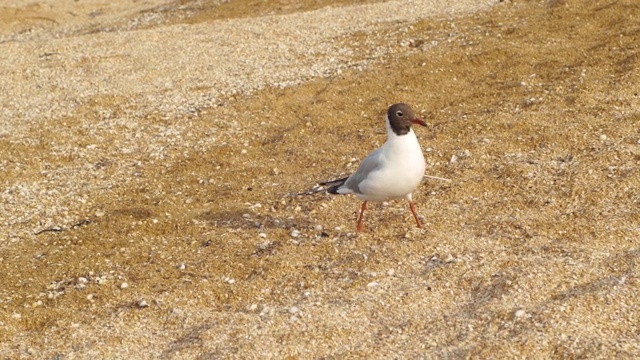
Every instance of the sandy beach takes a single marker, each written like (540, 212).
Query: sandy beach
(157, 157)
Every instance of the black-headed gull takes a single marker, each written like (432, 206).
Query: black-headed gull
(391, 172)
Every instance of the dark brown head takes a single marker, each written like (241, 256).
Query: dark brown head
(401, 116)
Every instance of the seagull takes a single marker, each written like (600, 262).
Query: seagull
(392, 171)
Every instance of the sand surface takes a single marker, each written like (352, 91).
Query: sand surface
(156, 159)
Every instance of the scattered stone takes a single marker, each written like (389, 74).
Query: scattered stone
(262, 235)
(294, 310)
(295, 233)
(142, 303)
(177, 312)
(520, 313)
(124, 285)
(391, 272)
(372, 284)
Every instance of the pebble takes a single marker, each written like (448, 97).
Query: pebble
(143, 303)
(294, 310)
(243, 151)
(182, 266)
(266, 311)
(124, 285)
(262, 235)
(295, 233)
(520, 313)
(391, 272)
(90, 297)
(177, 312)
(603, 137)
(264, 245)
(319, 227)
(372, 284)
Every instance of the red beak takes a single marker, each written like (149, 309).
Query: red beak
(419, 122)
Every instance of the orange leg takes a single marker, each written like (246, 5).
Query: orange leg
(415, 215)
(360, 227)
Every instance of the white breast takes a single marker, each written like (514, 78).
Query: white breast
(399, 171)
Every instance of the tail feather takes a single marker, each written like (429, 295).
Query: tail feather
(333, 185)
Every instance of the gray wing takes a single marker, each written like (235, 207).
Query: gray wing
(369, 165)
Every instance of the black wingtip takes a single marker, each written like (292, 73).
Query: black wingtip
(333, 185)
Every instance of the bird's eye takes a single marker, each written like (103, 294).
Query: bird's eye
(399, 113)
